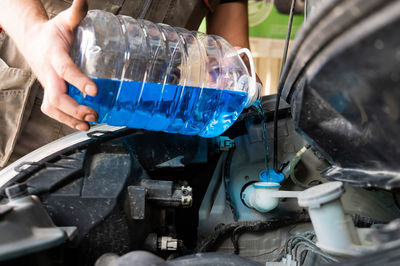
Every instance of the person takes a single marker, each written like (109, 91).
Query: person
(35, 40)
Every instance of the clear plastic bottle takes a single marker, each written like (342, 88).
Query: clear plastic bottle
(156, 77)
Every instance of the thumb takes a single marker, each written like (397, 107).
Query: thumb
(75, 13)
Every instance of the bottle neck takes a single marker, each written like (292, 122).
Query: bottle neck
(254, 88)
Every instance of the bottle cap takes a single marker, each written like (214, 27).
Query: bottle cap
(316, 196)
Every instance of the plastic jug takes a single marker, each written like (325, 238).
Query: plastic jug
(156, 77)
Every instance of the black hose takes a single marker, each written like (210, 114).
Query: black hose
(212, 259)
(223, 231)
(278, 96)
(289, 30)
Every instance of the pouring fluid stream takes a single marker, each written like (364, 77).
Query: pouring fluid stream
(261, 114)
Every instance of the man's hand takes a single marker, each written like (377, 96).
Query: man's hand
(47, 49)
(46, 45)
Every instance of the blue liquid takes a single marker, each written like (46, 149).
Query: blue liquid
(171, 108)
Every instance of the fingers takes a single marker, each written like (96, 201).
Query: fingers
(77, 12)
(71, 17)
(58, 105)
(58, 115)
(50, 60)
(71, 107)
(67, 70)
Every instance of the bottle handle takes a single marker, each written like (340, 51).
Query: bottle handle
(254, 87)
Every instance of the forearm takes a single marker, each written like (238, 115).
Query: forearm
(230, 21)
(18, 17)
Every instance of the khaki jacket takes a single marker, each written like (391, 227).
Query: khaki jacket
(18, 85)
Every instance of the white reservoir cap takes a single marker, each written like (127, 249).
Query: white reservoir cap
(316, 196)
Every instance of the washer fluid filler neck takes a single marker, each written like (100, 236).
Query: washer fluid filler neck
(157, 77)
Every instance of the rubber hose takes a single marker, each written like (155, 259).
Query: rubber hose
(223, 231)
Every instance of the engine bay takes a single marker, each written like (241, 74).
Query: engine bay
(172, 195)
